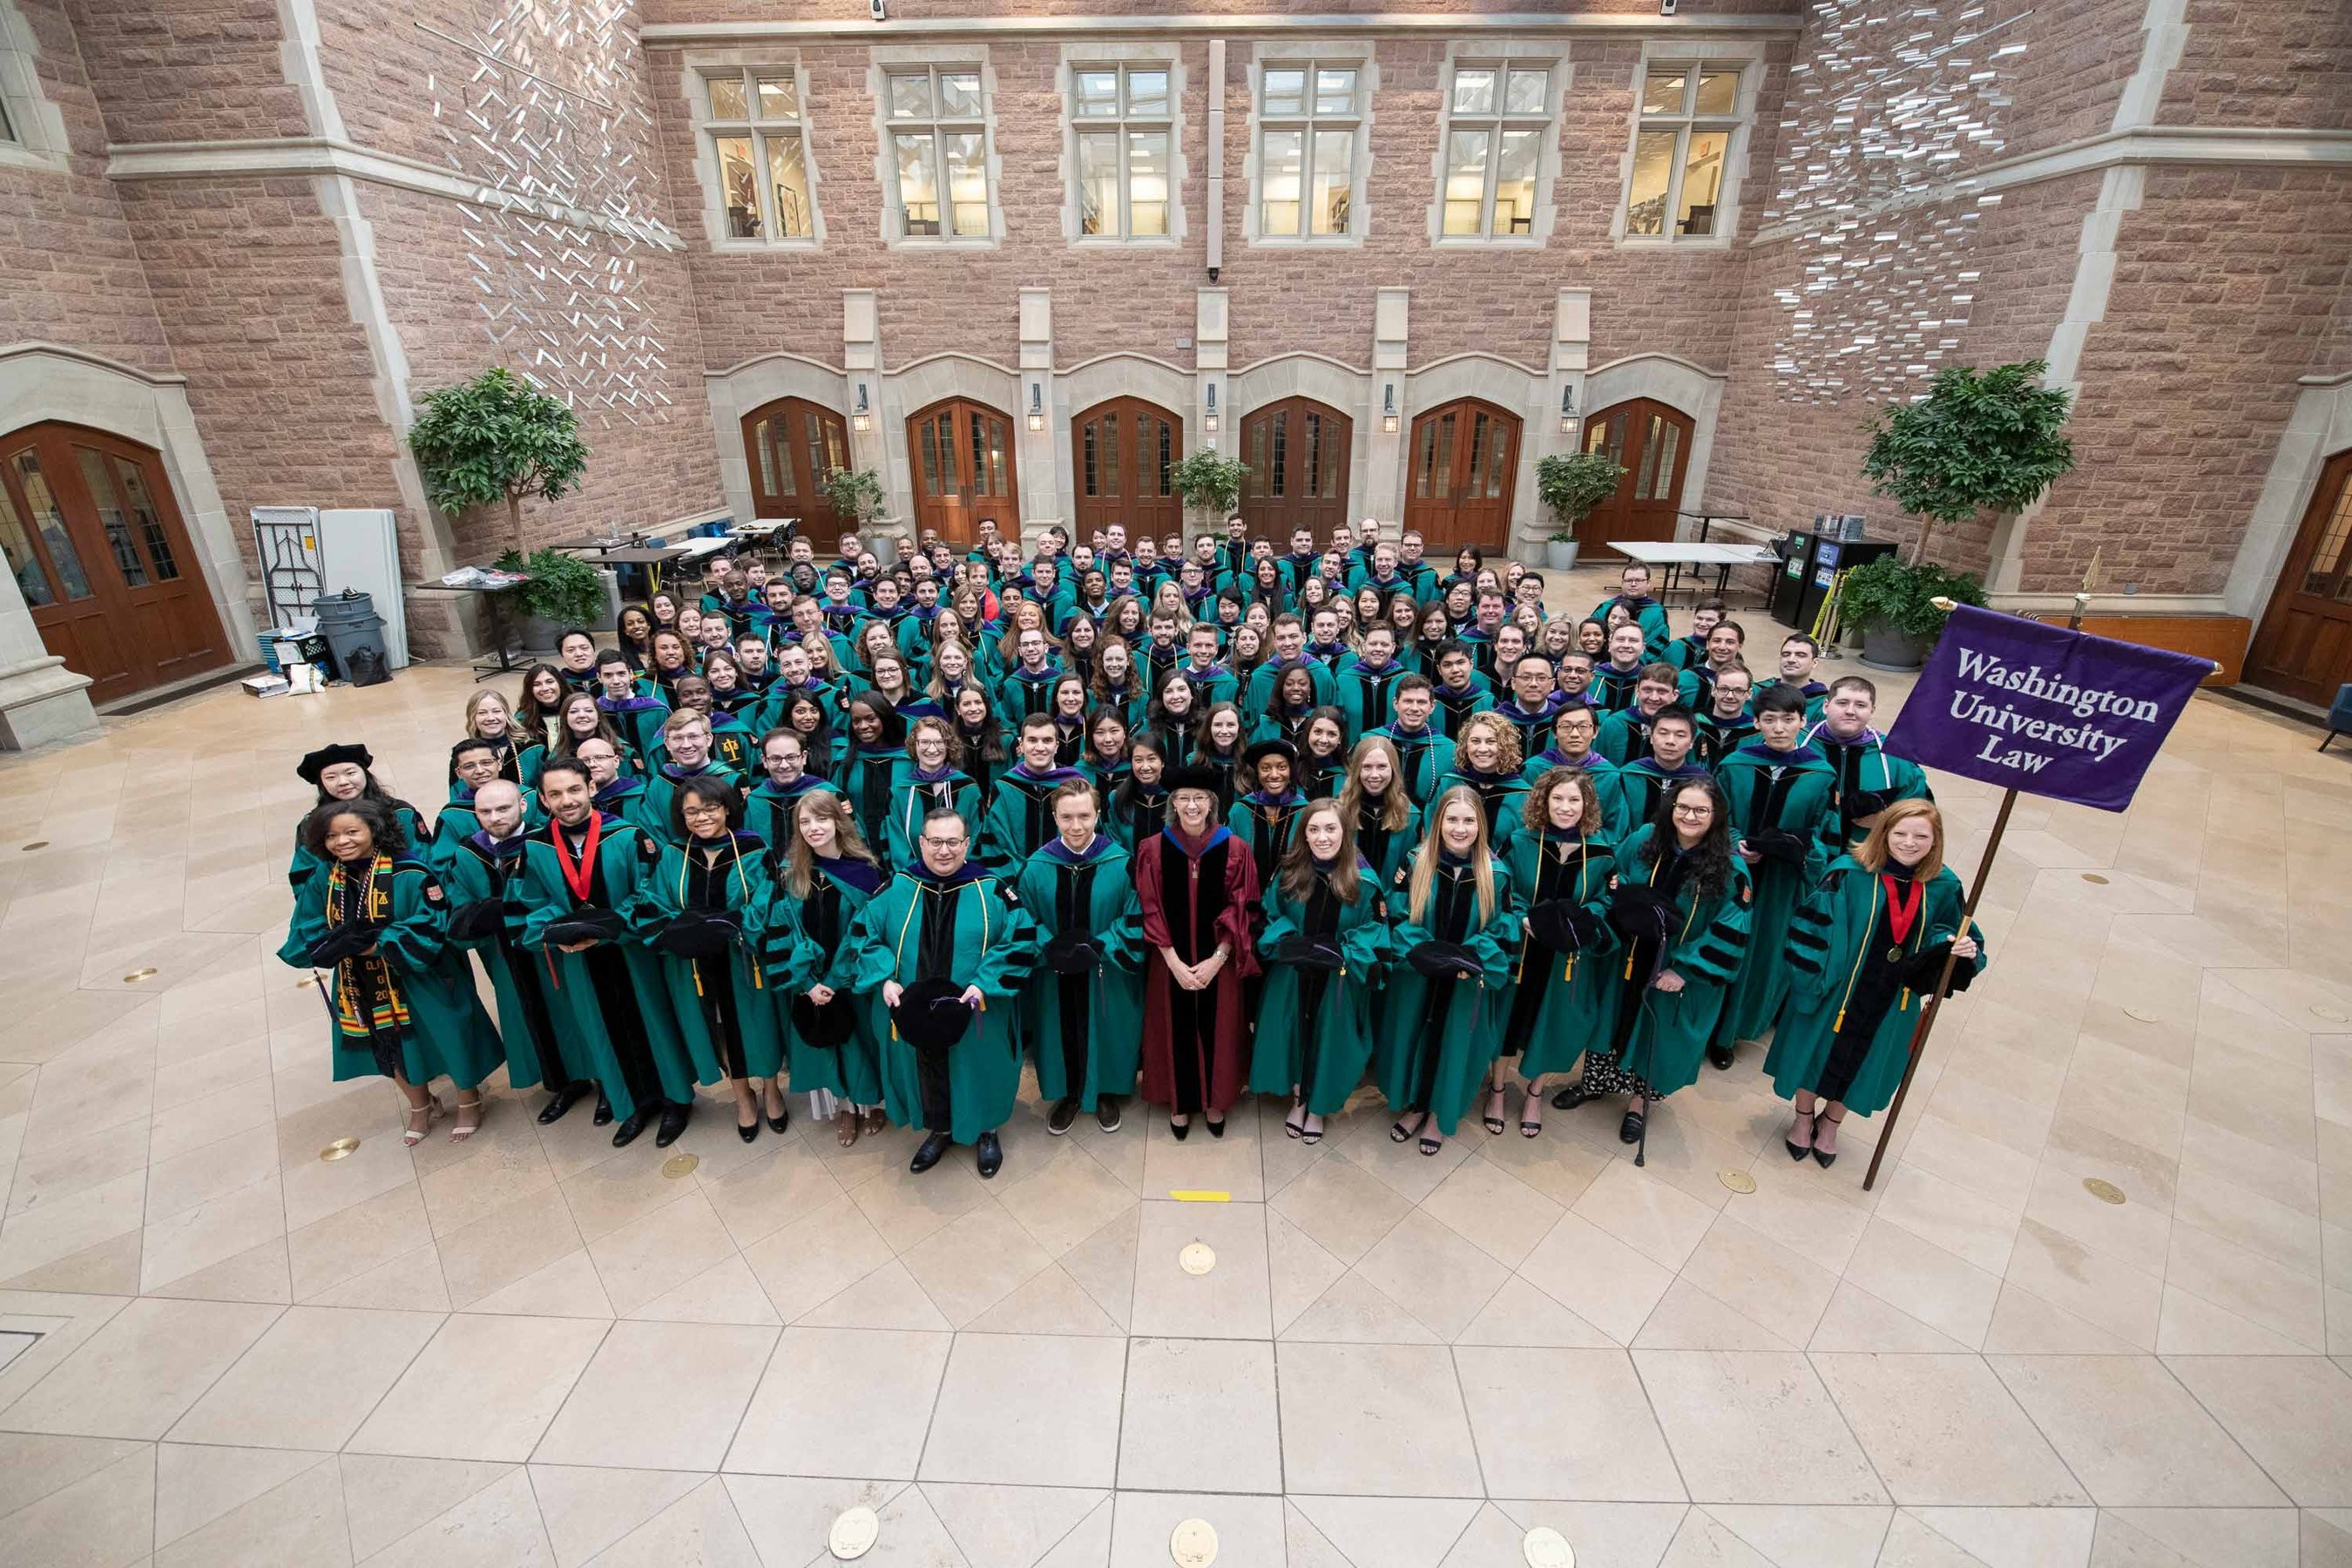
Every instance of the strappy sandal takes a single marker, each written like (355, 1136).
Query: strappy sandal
(877, 1122)
(1798, 1151)
(1400, 1133)
(412, 1136)
(1534, 1101)
(460, 1133)
(1310, 1135)
(1825, 1160)
(1296, 1128)
(1493, 1124)
(845, 1134)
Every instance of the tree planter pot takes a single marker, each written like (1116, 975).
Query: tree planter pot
(1560, 557)
(1884, 648)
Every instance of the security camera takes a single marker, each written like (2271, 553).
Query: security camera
(1212, 275)
(874, 8)
(1666, 7)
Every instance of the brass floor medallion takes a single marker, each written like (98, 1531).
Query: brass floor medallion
(2105, 1191)
(340, 1149)
(2094, 877)
(136, 975)
(1737, 1181)
(1193, 1544)
(678, 1165)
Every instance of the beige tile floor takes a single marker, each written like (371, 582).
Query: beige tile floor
(536, 1349)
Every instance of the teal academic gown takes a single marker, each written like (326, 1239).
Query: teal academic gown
(305, 865)
(1869, 778)
(806, 943)
(1314, 1025)
(704, 994)
(969, 928)
(412, 1003)
(914, 795)
(613, 992)
(768, 810)
(1088, 1028)
(540, 1046)
(1769, 791)
(657, 806)
(1437, 1037)
(1603, 774)
(1503, 797)
(1561, 1003)
(1669, 1030)
(1019, 817)
(1831, 941)
(1428, 757)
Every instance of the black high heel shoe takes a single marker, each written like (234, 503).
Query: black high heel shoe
(1216, 1128)
(1826, 1161)
(749, 1134)
(1797, 1151)
(781, 1119)
(1179, 1130)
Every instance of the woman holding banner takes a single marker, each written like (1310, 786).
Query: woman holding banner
(1863, 953)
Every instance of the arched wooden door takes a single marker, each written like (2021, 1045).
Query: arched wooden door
(1651, 443)
(1120, 454)
(99, 550)
(2304, 647)
(961, 455)
(791, 445)
(1463, 463)
(1295, 468)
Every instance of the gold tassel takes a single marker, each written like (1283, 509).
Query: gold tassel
(1569, 972)
(1840, 1024)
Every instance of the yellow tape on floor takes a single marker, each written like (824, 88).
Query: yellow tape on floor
(1196, 1195)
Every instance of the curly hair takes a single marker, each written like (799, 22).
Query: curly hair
(383, 825)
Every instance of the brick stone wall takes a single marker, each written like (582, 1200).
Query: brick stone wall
(2264, 62)
(2226, 285)
(69, 270)
(188, 71)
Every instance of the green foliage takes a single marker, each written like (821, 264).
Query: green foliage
(495, 440)
(1888, 593)
(1209, 481)
(1979, 439)
(1572, 483)
(562, 588)
(855, 493)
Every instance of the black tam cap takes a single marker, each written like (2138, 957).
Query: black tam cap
(1193, 775)
(325, 757)
(1274, 748)
(932, 1012)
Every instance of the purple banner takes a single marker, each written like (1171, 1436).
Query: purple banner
(2031, 706)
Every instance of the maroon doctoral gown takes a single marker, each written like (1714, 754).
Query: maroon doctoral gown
(1195, 893)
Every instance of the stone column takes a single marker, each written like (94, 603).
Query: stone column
(1571, 357)
(40, 700)
(1042, 503)
(1383, 497)
(861, 357)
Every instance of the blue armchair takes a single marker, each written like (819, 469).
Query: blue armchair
(2339, 716)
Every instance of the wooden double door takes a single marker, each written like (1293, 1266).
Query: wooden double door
(1462, 467)
(1295, 468)
(1651, 443)
(962, 456)
(99, 550)
(791, 445)
(2304, 646)
(1122, 453)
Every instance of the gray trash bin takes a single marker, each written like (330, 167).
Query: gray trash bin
(354, 635)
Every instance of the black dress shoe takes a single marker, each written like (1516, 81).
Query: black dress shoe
(1720, 1057)
(1107, 1114)
(1179, 1130)
(934, 1148)
(673, 1124)
(631, 1125)
(1571, 1096)
(991, 1156)
(1629, 1129)
(781, 1119)
(748, 1133)
(570, 1095)
(1058, 1120)
(603, 1108)
(1216, 1128)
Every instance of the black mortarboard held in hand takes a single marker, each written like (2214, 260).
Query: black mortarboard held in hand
(932, 1012)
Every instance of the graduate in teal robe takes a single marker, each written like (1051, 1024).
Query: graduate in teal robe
(636, 717)
(478, 872)
(579, 873)
(344, 772)
(1426, 755)
(1367, 678)
(869, 763)
(821, 882)
(1786, 829)
(1563, 991)
(1869, 777)
(945, 934)
(472, 764)
(1322, 947)
(1572, 732)
(400, 998)
(1642, 783)
(1262, 815)
(1680, 904)
(1020, 815)
(1083, 1007)
(700, 912)
(929, 778)
(1633, 593)
(1865, 952)
(1487, 763)
(1379, 812)
(1440, 1017)
(769, 806)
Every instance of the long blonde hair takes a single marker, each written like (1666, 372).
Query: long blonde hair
(1424, 858)
(799, 861)
(1873, 855)
(1396, 804)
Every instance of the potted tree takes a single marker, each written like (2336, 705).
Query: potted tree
(1893, 603)
(497, 438)
(1569, 485)
(1980, 440)
(854, 495)
(1210, 482)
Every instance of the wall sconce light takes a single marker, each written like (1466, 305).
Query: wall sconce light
(861, 417)
(1389, 408)
(1210, 422)
(1036, 405)
(1567, 420)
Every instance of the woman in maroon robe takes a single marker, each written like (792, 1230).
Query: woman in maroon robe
(1198, 888)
